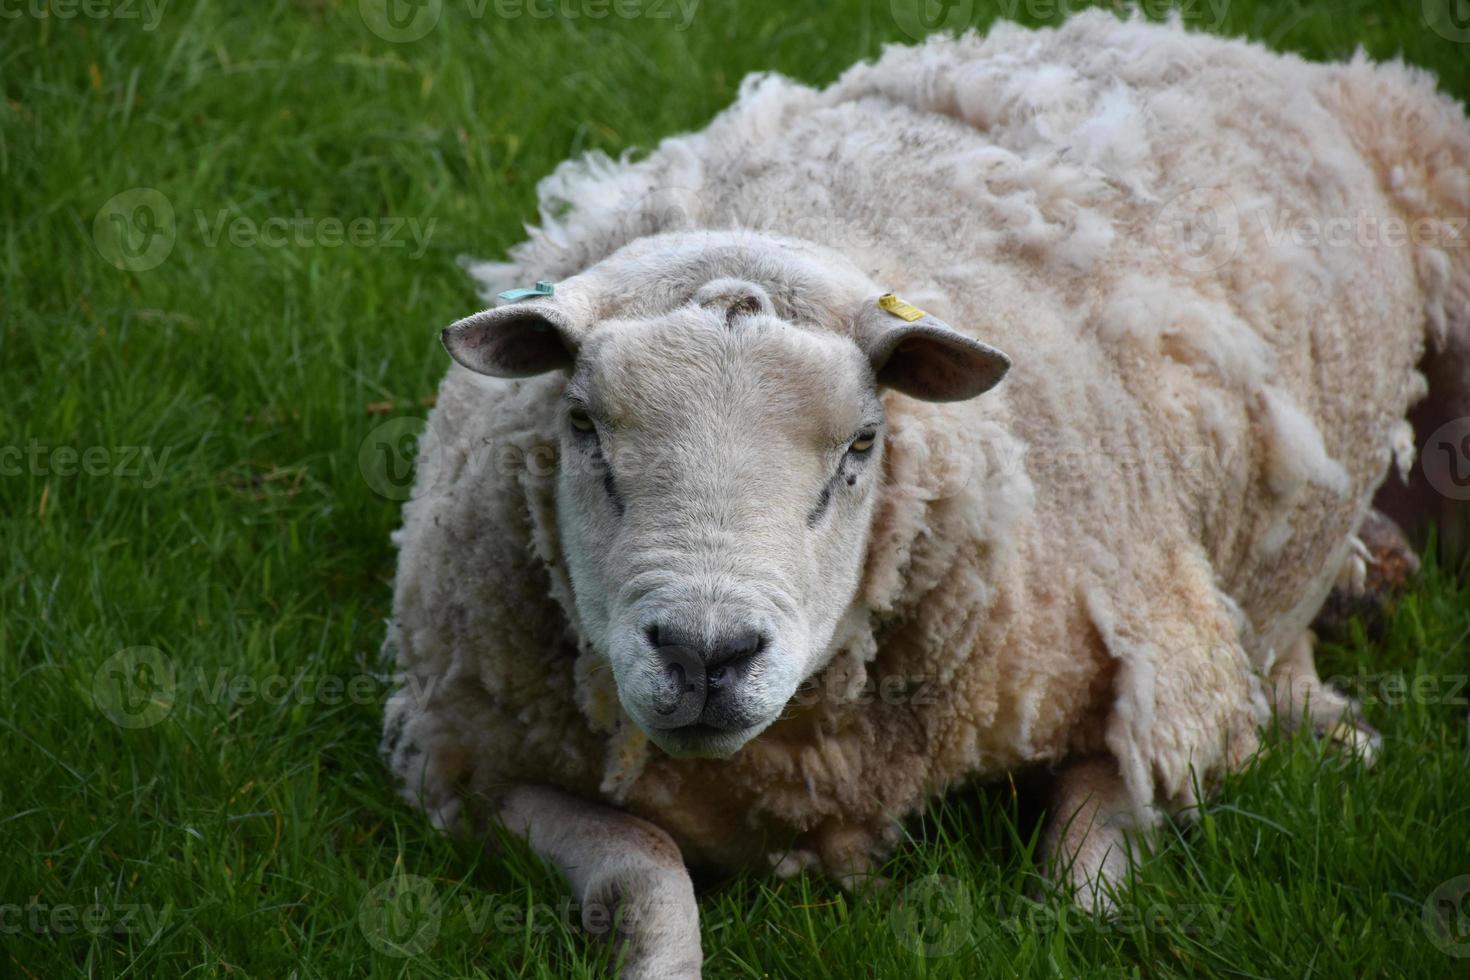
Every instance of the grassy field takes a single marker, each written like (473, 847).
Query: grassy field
(227, 243)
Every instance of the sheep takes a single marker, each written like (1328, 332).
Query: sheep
(1012, 402)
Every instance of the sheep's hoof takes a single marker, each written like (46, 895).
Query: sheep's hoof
(651, 922)
(1372, 578)
(790, 864)
(1353, 738)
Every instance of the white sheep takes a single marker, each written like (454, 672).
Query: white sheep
(741, 572)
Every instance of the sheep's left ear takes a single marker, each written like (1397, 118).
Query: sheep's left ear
(514, 341)
(923, 357)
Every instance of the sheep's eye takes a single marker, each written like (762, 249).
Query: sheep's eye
(863, 443)
(580, 420)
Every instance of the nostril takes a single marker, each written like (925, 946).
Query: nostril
(671, 696)
(747, 645)
(676, 679)
(734, 650)
(680, 688)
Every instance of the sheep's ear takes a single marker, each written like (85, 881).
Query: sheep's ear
(514, 341)
(923, 357)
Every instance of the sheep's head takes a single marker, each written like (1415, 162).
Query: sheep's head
(721, 441)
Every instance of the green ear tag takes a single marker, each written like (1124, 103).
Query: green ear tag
(542, 288)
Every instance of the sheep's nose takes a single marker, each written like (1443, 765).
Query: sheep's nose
(731, 652)
(698, 670)
(724, 650)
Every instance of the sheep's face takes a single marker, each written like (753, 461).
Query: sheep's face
(716, 484)
(718, 471)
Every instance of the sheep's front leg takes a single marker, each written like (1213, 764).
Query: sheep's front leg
(619, 866)
(1087, 844)
(1301, 698)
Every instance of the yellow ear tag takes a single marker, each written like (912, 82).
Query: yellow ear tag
(900, 308)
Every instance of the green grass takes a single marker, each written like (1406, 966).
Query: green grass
(240, 836)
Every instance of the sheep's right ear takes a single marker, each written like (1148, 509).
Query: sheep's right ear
(920, 355)
(514, 341)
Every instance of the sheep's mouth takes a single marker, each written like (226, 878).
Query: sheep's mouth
(702, 741)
